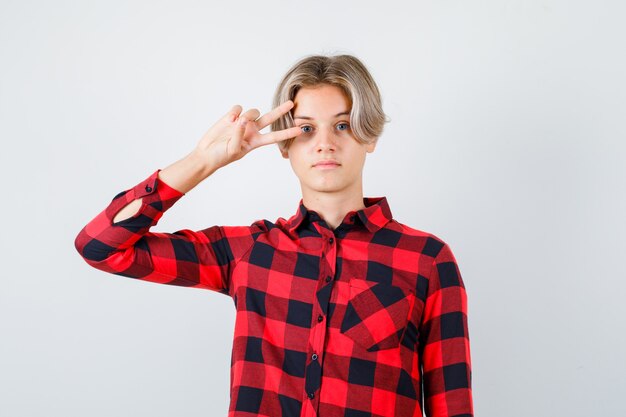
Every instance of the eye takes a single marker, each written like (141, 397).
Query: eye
(345, 125)
(304, 127)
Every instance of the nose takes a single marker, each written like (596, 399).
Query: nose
(325, 140)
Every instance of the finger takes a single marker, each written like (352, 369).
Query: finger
(233, 113)
(251, 114)
(238, 131)
(270, 116)
(279, 135)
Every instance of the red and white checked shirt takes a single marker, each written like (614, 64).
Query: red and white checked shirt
(368, 319)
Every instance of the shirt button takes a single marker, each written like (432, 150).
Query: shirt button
(148, 189)
(320, 318)
(328, 278)
(314, 356)
(331, 240)
(311, 395)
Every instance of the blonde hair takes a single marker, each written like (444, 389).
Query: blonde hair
(347, 72)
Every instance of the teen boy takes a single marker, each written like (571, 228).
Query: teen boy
(341, 309)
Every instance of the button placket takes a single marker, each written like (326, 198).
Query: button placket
(327, 266)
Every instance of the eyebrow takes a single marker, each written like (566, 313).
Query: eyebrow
(344, 113)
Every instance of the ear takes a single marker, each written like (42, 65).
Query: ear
(284, 153)
(371, 146)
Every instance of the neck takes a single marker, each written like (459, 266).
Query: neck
(333, 207)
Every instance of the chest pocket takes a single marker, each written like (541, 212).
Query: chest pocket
(376, 314)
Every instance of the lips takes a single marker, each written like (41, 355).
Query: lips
(327, 162)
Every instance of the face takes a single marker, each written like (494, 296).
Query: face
(323, 114)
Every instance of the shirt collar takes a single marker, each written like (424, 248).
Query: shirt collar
(374, 216)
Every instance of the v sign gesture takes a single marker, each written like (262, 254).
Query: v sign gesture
(236, 134)
(229, 139)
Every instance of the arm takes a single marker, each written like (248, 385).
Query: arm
(228, 140)
(202, 259)
(444, 341)
(183, 175)
(118, 240)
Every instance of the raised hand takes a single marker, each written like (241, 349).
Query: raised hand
(236, 134)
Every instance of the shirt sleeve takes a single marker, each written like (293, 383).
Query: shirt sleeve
(201, 259)
(444, 342)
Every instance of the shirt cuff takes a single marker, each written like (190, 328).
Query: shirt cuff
(156, 197)
(155, 185)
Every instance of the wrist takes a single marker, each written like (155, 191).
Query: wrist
(200, 164)
(186, 173)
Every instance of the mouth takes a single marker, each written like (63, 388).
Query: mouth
(326, 165)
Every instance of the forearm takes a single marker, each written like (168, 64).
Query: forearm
(202, 259)
(101, 238)
(183, 175)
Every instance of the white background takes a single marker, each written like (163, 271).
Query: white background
(506, 141)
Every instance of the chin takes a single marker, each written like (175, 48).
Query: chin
(328, 188)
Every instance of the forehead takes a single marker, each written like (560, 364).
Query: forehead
(324, 101)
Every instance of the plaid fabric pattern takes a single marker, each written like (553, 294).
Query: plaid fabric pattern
(368, 319)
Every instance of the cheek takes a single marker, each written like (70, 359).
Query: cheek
(357, 163)
(297, 162)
